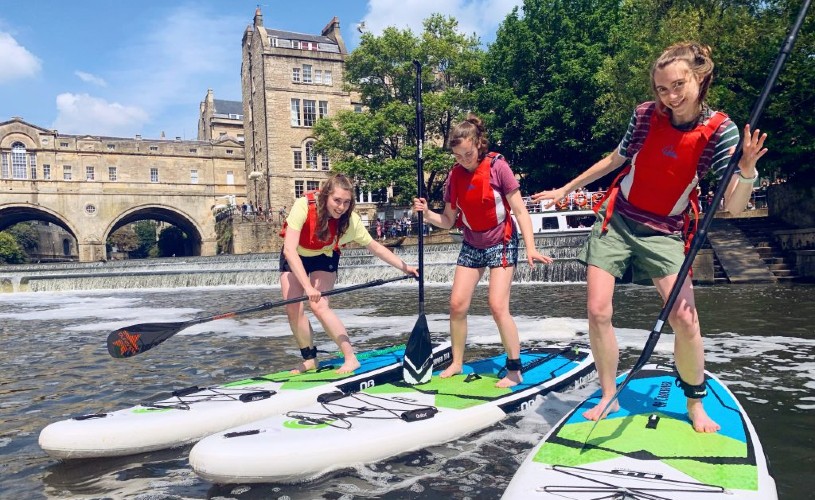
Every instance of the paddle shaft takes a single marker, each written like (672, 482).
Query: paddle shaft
(701, 233)
(270, 305)
(420, 177)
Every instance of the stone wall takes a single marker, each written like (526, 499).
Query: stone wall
(792, 203)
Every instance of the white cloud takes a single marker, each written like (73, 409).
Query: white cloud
(85, 114)
(17, 61)
(89, 78)
(481, 17)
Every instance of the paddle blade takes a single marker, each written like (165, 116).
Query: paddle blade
(135, 339)
(417, 367)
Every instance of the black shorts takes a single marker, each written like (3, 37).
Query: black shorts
(320, 262)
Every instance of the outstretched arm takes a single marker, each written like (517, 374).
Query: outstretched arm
(391, 258)
(608, 164)
(516, 203)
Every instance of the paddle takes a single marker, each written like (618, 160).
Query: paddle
(701, 233)
(417, 366)
(135, 339)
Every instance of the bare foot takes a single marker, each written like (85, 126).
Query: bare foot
(349, 366)
(513, 378)
(453, 369)
(594, 413)
(699, 418)
(306, 365)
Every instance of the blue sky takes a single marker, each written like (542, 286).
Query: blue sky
(124, 67)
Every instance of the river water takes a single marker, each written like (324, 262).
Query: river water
(759, 340)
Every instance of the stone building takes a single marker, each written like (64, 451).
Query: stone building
(92, 185)
(220, 119)
(289, 80)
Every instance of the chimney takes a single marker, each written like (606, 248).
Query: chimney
(258, 17)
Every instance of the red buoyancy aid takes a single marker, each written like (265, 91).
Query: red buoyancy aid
(476, 200)
(308, 233)
(664, 171)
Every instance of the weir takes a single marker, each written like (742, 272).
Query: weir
(357, 266)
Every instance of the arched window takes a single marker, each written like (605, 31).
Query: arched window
(18, 161)
(66, 247)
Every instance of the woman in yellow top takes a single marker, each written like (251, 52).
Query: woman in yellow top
(318, 224)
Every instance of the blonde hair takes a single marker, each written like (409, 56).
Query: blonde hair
(696, 56)
(333, 182)
(472, 128)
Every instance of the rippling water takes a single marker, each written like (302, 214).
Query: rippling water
(759, 339)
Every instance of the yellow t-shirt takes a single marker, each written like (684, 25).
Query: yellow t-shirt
(356, 232)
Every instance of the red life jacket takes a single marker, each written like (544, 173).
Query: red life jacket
(477, 202)
(663, 172)
(308, 234)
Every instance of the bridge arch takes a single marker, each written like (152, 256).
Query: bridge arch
(162, 213)
(14, 213)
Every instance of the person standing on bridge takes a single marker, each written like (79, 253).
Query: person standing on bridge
(672, 142)
(318, 225)
(478, 195)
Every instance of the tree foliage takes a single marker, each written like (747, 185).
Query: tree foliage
(11, 252)
(377, 146)
(27, 236)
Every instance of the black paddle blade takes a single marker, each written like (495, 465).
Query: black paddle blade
(417, 367)
(135, 339)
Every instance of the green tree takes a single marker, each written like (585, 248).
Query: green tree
(27, 236)
(10, 250)
(124, 239)
(377, 146)
(146, 233)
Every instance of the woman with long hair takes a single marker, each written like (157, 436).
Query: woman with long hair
(318, 224)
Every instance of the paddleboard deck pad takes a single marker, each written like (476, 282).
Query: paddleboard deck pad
(382, 421)
(189, 414)
(649, 449)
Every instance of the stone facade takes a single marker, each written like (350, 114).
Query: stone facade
(288, 80)
(90, 185)
(220, 119)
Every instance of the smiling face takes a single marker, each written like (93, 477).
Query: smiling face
(466, 154)
(338, 202)
(678, 90)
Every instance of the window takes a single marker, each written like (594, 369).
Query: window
(307, 73)
(63, 144)
(230, 178)
(296, 44)
(309, 112)
(66, 172)
(318, 76)
(90, 209)
(230, 151)
(327, 77)
(240, 137)
(153, 174)
(295, 112)
(357, 108)
(311, 156)
(5, 174)
(153, 148)
(111, 147)
(18, 163)
(323, 109)
(89, 173)
(324, 162)
(112, 174)
(312, 185)
(32, 163)
(193, 150)
(193, 176)
(299, 189)
(295, 75)
(46, 172)
(298, 160)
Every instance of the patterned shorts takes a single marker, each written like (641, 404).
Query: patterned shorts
(476, 258)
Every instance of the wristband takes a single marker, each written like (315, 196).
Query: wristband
(747, 180)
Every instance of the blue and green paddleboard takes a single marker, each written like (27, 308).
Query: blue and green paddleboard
(189, 414)
(649, 450)
(341, 430)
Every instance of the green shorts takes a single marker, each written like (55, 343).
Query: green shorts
(628, 243)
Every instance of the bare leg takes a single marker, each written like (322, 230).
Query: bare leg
(604, 347)
(298, 322)
(500, 287)
(464, 283)
(324, 281)
(689, 351)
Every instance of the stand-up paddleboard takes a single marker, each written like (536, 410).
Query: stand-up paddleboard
(383, 421)
(192, 413)
(649, 450)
